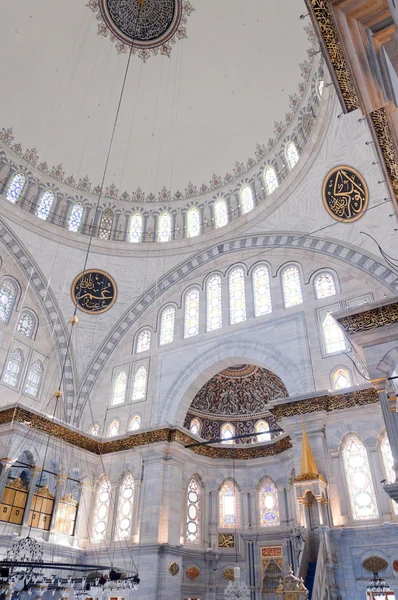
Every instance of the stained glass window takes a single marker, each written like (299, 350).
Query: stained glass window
(164, 227)
(124, 515)
(229, 505)
(227, 432)
(26, 324)
(16, 186)
(192, 533)
(75, 217)
(167, 324)
(144, 341)
(139, 385)
(261, 291)
(292, 155)
(320, 86)
(8, 293)
(135, 229)
(359, 480)
(101, 510)
(262, 428)
(195, 426)
(291, 285)
(388, 461)
(119, 389)
(214, 303)
(268, 503)
(332, 335)
(113, 428)
(34, 379)
(220, 213)
(106, 224)
(135, 423)
(193, 222)
(94, 429)
(341, 378)
(13, 372)
(246, 199)
(191, 320)
(324, 286)
(270, 179)
(237, 297)
(44, 207)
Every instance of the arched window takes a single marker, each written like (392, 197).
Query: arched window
(359, 480)
(262, 429)
(106, 224)
(144, 341)
(8, 294)
(237, 296)
(213, 303)
(319, 87)
(139, 385)
(262, 291)
(94, 429)
(44, 207)
(135, 423)
(113, 428)
(229, 505)
(246, 199)
(124, 515)
(220, 213)
(101, 510)
(195, 426)
(193, 222)
(14, 368)
(333, 335)
(268, 503)
(16, 187)
(324, 285)
(270, 179)
(388, 462)
(191, 318)
(227, 432)
(135, 228)
(26, 324)
(164, 227)
(292, 155)
(75, 217)
(167, 323)
(341, 378)
(291, 285)
(193, 508)
(34, 379)
(119, 389)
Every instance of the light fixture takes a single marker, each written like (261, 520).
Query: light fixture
(237, 590)
(378, 589)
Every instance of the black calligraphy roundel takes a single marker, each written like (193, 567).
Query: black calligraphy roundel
(345, 194)
(94, 291)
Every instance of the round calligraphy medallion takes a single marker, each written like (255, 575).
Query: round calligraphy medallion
(345, 194)
(94, 291)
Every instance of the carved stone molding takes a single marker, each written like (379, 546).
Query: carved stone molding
(370, 319)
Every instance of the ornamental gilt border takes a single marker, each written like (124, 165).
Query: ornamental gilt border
(336, 250)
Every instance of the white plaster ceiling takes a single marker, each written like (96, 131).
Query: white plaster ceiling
(182, 118)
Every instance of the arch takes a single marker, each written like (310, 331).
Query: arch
(135, 423)
(291, 154)
(220, 213)
(144, 338)
(94, 429)
(324, 285)
(191, 312)
(44, 205)
(359, 480)
(34, 379)
(246, 198)
(262, 428)
(16, 186)
(333, 336)
(14, 368)
(8, 296)
(229, 505)
(101, 509)
(119, 388)
(268, 503)
(164, 227)
(261, 290)
(291, 286)
(167, 325)
(193, 222)
(388, 463)
(140, 384)
(27, 323)
(213, 302)
(227, 431)
(135, 228)
(195, 426)
(193, 509)
(237, 295)
(76, 216)
(270, 179)
(106, 224)
(114, 428)
(125, 507)
(341, 378)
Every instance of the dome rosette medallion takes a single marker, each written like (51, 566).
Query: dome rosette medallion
(146, 27)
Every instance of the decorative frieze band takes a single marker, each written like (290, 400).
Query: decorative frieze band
(370, 319)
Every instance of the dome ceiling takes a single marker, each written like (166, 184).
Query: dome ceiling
(206, 83)
(240, 391)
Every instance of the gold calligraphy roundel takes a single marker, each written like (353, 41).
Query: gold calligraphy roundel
(345, 194)
(94, 291)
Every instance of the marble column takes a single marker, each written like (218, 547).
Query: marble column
(390, 420)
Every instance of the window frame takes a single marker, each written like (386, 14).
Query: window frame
(35, 358)
(200, 510)
(227, 441)
(117, 508)
(222, 301)
(184, 304)
(25, 360)
(253, 269)
(242, 188)
(161, 312)
(39, 201)
(269, 167)
(134, 214)
(109, 425)
(9, 183)
(291, 143)
(101, 228)
(332, 384)
(134, 417)
(241, 267)
(158, 234)
(218, 202)
(134, 370)
(382, 436)
(284, 268)
(334, 277)
(34, 316)
(74, 202)
(115, 374)
(15, 299)
(237, 516)
(271, 526)
(99, 484)
(190, 211)
(320, 316)
(137, 337)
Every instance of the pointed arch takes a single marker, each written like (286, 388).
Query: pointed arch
(246, 198)
(119, 389)
(227, 432)
(27, 323)
(195, 426)
(135, 423)
(291, 154)
(44, 205)
(193, 510)
(341, 378)
(167, 325)
(262, 428)
(164, 227)
(125, 507)
(291, 286)
(191, 313)
(220, 213)
(34, 379)
(333, 335)
(101, 510)
(114, 428)
(94, 429)
(193, 222)
(388, 463)
(135, 228)
(106, 224)
(270, 179)
(76, 216)
(140, 384)
(8, 296)
(229, 505)
(16, 187)
(359, 480)
(268, 503)
(14, 368)
(144, 341)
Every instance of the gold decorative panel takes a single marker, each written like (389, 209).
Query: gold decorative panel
(228, 574)
(345, 194)
(226, 540)
(192, 572)
(386, 142)
(370, 319)
(174, 569)
(94, 291)
(375, 564)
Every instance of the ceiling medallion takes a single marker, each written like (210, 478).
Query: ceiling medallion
(146, 26)
(345, 194)
(94, 291)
